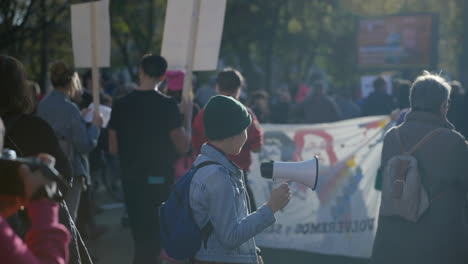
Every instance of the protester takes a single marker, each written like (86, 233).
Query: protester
(85, 97)
(302, 93)
(439, 236)
(347, 107)
(205, 92)
(402, 91)
(280, 103)
(29, 135)
(146, 131)
(35, 93)
(259, 103)
(47, 240)
(317, 107)
(174, 84)
(123, 90)
(109, 84)
(379, 102)
(456, 113)
(230, 83)
(87, 208)
(173, 87)
(217, 192)
(77, 138)
(464, 127)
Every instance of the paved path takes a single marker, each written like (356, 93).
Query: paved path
(116, 246)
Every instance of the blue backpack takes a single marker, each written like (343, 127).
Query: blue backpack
(181, 237)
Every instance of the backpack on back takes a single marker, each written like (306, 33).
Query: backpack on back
(403, 193)
(181, 237)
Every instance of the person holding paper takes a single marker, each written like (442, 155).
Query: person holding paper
(145, 130)
(76, 137)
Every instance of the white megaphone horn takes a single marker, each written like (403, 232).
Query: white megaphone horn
(305, 172)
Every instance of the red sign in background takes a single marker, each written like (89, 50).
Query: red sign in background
(396, 41)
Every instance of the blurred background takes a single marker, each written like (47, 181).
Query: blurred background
(277, 44)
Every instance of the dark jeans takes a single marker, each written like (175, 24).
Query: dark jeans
(142, 201)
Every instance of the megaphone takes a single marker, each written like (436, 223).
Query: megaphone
(305, 172)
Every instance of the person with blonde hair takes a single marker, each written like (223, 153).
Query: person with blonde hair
(77, 138)
(29, 135)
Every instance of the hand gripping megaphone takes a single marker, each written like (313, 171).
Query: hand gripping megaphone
(305, 172)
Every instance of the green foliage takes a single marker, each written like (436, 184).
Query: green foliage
(275, 43)
(35, 31)
(450, 14)
(137, 29)
(288, 42)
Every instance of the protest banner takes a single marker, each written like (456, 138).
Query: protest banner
(197, 21)
(191, 41)
(340, 217)
(82, 27)
(91, 40)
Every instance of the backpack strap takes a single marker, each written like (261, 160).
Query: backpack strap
(206, 163)
(425, 139)
(9, 124)
(208, 228)
(421, 143)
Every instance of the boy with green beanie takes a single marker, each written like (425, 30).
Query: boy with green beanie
(218, 194)
(230, 82)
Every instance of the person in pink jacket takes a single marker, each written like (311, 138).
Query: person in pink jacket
(46, 241)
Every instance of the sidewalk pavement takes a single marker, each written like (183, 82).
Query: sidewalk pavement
(116, 245)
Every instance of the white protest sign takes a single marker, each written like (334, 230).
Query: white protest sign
(340, 216)
(177, 31)
(82, 34)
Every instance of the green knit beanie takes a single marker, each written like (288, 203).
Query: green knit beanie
(225, 117)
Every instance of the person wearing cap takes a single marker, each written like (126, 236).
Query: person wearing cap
(218, 193)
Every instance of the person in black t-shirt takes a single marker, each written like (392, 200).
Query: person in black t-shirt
(379, 102)
(146, 131)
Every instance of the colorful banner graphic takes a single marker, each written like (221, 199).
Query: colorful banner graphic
(340, 217)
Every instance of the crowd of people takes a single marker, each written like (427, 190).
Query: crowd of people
(155, 144)
(280, 108)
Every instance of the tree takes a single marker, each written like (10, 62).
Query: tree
(274, 43)
(24, 32)
(136, 29)
(282, 41)
(450, 14)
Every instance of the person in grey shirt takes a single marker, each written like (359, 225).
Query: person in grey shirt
(77, 138)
